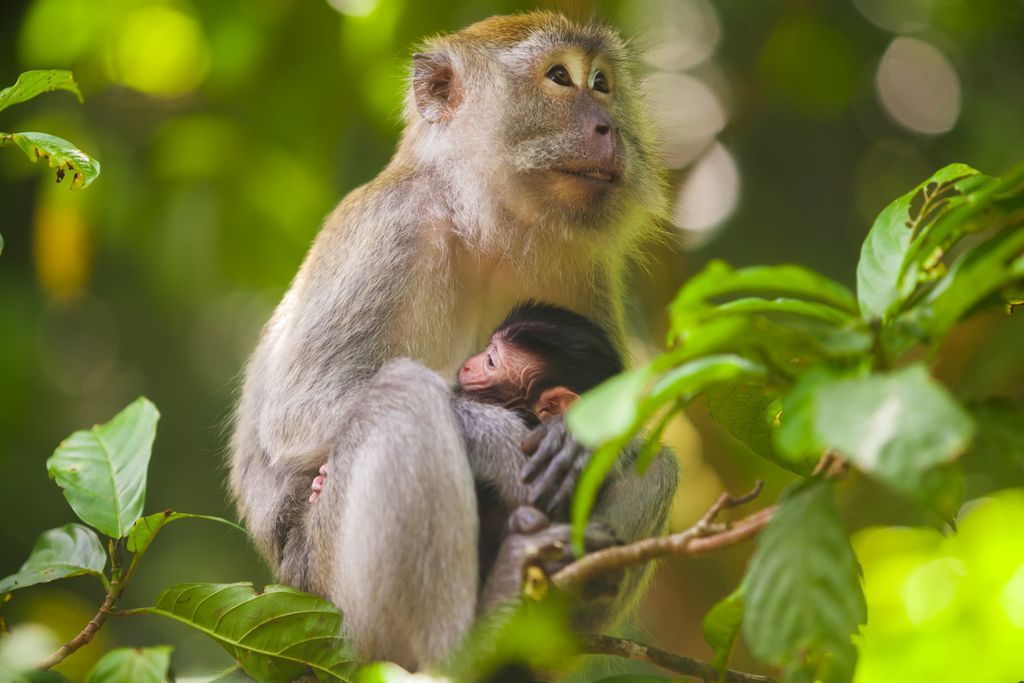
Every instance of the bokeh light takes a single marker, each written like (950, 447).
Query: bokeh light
(708, 195)
(918, 86)
(898, 16)
(687, 116)
(678, 34)
(159, 50)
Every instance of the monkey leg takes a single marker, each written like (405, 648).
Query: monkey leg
(393, 535)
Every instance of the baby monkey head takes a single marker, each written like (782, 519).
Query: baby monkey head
(539, 360)
(545, 111)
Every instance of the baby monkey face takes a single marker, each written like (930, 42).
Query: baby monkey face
(502, 371)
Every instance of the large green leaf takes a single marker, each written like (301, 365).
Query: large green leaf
(719, 280)
(750, 413)
(721, 627)
(61, 154)
(899, 251)
(137, 665)
(277, 634)
(894, 426)
(804, 599)
(69, 550)
(610, 409)
(32, 83)
(146, 528)
(103, 470)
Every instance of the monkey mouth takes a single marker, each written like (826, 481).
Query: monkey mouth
(595, 173)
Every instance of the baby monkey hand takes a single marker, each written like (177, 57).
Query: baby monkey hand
(318, 483)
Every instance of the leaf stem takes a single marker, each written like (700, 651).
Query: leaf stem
(114, 593)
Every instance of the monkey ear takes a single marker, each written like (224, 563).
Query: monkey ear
(434, 86)
(554, 402)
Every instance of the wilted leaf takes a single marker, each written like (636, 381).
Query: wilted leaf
(138, 665)
(722, 626)
(804, 599)
(103, 470)
(894, 426)
(61, 155)
(146, 528)
(277, 634)
(32, 83)
(69, 550)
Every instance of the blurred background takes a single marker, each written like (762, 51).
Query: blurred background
(227, 129)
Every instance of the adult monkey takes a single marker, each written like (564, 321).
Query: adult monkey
(526, 170)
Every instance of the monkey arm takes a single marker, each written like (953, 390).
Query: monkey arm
(493, 436)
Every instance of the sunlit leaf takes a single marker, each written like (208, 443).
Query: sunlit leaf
(138, 665)
(803, 599)
(69, 550)
(277, 634)
(719, 280)
(977, 274)
(386, 672)
(891, 259)
(146, 528)
(61, 155)
(690, 378)
(103, 470)
(721, 627)
(894, 426)
(32, 83)
(610, 409)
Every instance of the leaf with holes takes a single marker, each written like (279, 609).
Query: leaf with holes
(804, 599)
(69, 550)
(135, 664)
(103, 470)
(278, 634)
(61, 155)
(32, 83)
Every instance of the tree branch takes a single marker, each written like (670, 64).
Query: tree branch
(704, 537)
(594, 644)
(88, 631)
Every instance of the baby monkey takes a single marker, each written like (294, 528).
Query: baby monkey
(537, 363)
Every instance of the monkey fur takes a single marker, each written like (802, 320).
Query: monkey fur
(507, 185)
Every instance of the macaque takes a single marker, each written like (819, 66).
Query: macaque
(526, 170)
(537, 363)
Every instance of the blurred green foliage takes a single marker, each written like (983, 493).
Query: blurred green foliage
(228, 128)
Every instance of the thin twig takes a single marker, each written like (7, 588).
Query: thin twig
(687, 666)
(87, 632)
(704, 537)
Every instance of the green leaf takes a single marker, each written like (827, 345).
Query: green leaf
(69, 550)
(687, 380)
(591, 479)
(32, 83)
(722, 626)
(103, 470)
(719, 280)
(610, 409)
(804, 599)
(904, 251)
(977, 274)
(797, 440)
(146, 528)
(277, 635)
(61, 154)
(894, 426)
(138, 665)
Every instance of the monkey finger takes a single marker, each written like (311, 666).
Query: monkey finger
(527, 520)
(533, 439)
(323, 469)
(318, 484)
(313, 496)
(548, 449)
(544, 487)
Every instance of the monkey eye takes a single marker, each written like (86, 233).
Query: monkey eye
(600, 82)
(560, 75)
(490, 361)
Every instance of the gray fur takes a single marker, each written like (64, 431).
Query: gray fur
(422, 263)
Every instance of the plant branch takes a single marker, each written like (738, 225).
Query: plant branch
(594, 644)
(704, 537)
(90, 629)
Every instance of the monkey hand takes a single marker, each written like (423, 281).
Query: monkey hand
(555, 463)
(534, 542)
(318, 483)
